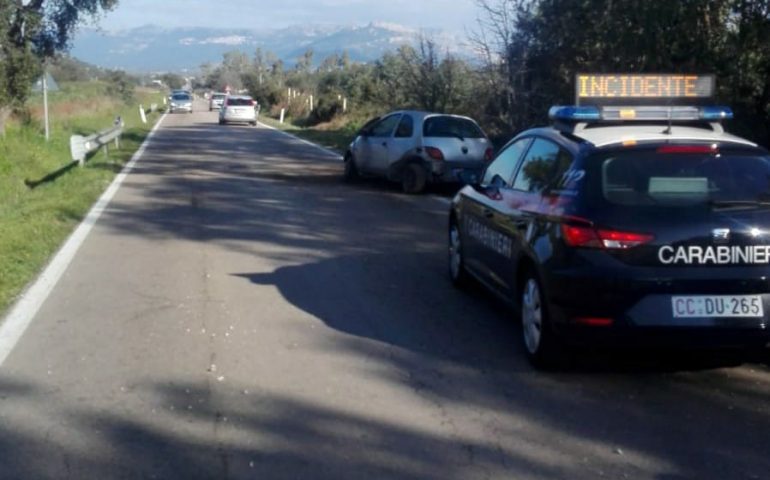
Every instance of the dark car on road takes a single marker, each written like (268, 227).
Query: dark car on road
(417, 149)
(608, 232)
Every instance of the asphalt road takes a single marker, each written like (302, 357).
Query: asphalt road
(239, 312)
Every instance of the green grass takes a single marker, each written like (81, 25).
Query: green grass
(34, 222)
(336, 139)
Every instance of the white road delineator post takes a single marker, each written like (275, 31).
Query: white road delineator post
(142, 115)
(283, 114)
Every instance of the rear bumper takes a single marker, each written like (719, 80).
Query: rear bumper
(664, 337)
(180, 108)
(240, 118)
(640, 312)
(451, 172)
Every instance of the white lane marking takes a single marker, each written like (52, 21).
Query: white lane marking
(23, 312)
(327, 151)
(443, 200)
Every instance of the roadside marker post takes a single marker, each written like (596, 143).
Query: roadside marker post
(142, 115)
(283, 113)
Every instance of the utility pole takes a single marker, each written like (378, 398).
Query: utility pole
(45, 102)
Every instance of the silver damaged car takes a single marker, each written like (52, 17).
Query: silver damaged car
(417, 149)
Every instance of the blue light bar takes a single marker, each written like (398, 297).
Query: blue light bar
(575, 114)
(716, 113)
(639, 113)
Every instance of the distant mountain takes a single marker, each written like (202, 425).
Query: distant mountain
(152, 48)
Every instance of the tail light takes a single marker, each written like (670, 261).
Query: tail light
(586, 236)
(594, 321)
(489, 154)
(434, 153)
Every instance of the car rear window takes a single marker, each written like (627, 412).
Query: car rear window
(445, 126)
(181, 96)
(218, 96)
(239, 102)
(651, 179)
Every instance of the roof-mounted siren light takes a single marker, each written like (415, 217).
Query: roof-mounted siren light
(573, 113)
(716, 114)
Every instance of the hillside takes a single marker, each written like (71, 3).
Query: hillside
(153, 48)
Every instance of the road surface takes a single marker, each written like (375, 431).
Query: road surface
(239, 312)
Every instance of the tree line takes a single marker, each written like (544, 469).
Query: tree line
(529, 52)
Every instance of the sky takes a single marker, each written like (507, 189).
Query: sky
(451, 15)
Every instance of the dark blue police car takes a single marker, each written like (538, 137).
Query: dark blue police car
(624, 221)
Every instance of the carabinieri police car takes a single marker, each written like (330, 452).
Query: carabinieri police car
(633, 218)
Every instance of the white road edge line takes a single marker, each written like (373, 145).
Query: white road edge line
(444, 200)
(24, 310)
(329, 152)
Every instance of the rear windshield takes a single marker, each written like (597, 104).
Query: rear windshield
(239, 102)
(180, 96)
(650, 179)
(218, 96)
(444, 126)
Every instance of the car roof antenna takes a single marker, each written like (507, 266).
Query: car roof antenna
(667, 131)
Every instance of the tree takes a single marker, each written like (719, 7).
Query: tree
(431, 82)
(31, 32)
(305, 62)
(173, 80)
(534, 48)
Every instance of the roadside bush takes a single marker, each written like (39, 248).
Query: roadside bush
(326, 110)
(121, 85)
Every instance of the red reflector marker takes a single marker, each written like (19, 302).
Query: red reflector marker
(688, 149)
(594, 321)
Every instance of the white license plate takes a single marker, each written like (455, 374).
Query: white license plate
(718, 306)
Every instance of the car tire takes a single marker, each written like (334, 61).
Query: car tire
(414, 178)
(350, 173)
(221, 122)
(253, 124)
(457, 273)
(540, 343)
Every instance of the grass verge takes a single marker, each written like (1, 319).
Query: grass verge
(332, 136)
(42, 196)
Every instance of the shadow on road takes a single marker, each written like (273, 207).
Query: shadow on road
(370, 263)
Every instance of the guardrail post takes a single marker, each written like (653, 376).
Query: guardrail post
(81, 146)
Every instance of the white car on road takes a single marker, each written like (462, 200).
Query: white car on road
(238, 108)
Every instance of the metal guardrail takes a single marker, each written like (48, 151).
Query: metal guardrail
(81, 146)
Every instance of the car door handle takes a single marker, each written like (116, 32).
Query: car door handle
(488, 213)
